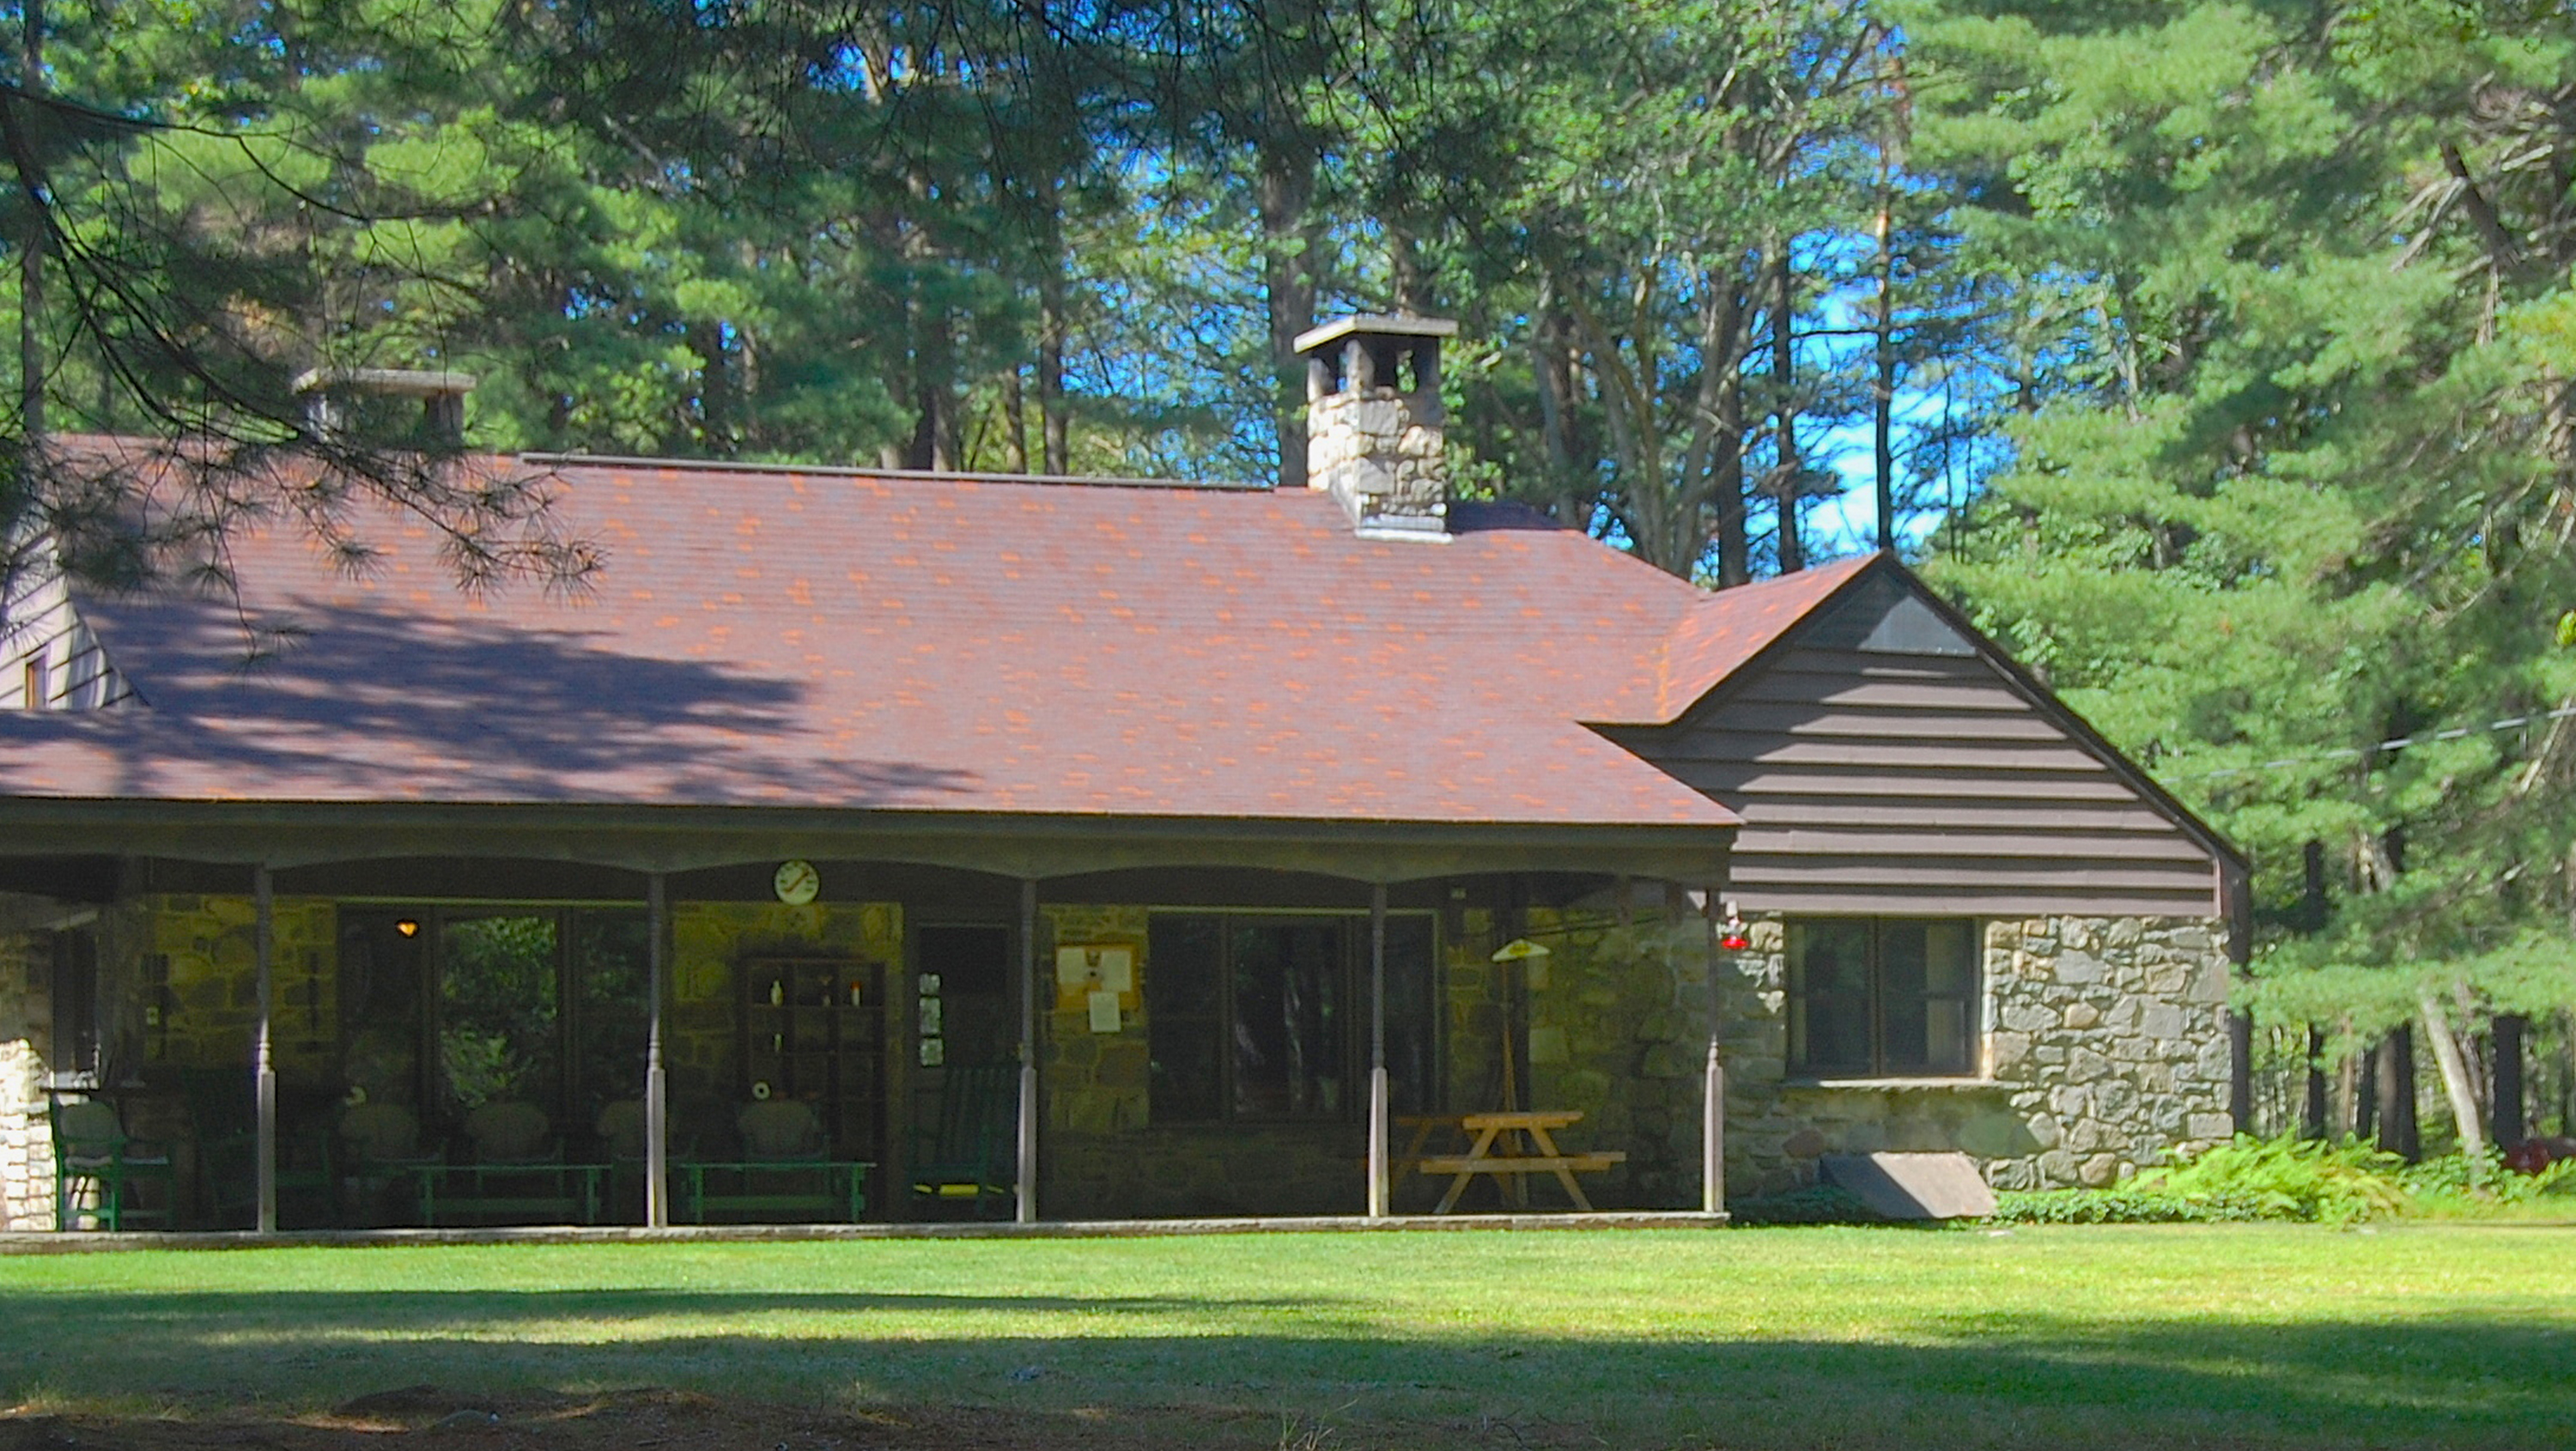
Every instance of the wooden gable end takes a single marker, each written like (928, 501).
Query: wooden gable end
(50, 659)
(1885, 760)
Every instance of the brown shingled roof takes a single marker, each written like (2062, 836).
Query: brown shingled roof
(909, 643)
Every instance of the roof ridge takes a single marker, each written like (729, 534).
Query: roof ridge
(854, 471)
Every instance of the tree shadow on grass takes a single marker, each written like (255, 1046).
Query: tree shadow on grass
(2460, 1380)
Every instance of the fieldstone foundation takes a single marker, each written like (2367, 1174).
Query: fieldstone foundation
(26, 1040)
(2105, 1051)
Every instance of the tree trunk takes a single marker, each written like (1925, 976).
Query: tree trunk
(2396, 1082)
(2362, 1073)
(31, 247)
(1015, 424)
(1734, 540)
(1287, 187)
(1784, 383)
(2312, 1113)
(2510, 1029)
(1883, 380)
(2455, 1086)
(1055, 440)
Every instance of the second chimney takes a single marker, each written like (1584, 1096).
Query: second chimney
(1375, 428)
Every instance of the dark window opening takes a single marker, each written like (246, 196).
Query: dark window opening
(443, 1010)
(1268, 1017)
(75, 995)
(1877, 997)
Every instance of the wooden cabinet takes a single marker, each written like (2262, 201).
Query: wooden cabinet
(814, 1029)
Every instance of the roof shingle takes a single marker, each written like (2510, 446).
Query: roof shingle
(911, 643)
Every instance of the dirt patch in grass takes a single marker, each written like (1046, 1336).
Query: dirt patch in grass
(642, 1420)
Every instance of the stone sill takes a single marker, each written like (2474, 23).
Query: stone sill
(1906, 1085)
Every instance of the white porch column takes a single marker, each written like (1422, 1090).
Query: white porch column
(1028, 1159)
(657, 1181)
(264, 1058)
(1377, 1185)
(1712, 1142)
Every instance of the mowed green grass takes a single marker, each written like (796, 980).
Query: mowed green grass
(2421, 1335)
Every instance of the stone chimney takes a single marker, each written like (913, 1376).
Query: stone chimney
(1375, 430)
(369, 403)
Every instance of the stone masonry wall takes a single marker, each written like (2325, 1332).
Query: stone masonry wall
(26, 1042)
(1618, 1031)
(2106, 1051)
(198, 982)
(701, 1041)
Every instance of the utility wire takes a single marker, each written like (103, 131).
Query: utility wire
(2397, 743)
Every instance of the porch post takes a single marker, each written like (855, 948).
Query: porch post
(1377, 1185)
(1712, 1142)
(1028, 1162)
(264, 1059)
(657, 1184)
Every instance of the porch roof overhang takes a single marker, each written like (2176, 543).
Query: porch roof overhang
(285, 835)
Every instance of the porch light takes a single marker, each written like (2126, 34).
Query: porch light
(407, 926)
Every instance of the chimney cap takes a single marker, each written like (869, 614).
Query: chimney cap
(400, 382)
(1375, 324)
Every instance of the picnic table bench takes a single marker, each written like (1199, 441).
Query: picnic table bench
(1510, 1146)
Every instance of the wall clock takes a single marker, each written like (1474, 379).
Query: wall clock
(797, 882)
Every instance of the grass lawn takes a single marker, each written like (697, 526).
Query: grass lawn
(2417, 1335)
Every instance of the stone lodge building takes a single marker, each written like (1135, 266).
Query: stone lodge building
(1195, 816)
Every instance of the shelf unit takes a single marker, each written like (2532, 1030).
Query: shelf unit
(814, 1029)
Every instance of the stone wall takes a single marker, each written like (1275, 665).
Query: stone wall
(195, 963)
(1618, 1031)
(2106, 1051)
(26, 1042)
(701, 1042)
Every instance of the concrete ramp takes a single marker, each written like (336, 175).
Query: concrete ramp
(1912, 1186)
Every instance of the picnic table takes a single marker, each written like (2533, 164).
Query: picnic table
(1509, 1146)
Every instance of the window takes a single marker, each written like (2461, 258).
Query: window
(1879, 997)
(1268, 1017)
(442, 1010)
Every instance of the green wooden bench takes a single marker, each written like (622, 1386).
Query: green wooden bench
(517, 1174)
(786, 1172)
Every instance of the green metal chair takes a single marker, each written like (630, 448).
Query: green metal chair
(973, 1153)
(380, 1144)
(223, 1121)
(223, 1124)
(90, 1144)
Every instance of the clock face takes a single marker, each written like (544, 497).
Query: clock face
(797, 882)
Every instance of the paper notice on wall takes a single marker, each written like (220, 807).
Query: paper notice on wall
(1072, 966)
(1102, 969)
(1118, 969)
(1104, 1012)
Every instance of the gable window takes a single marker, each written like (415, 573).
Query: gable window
(1882, 997)
(1266, 1017)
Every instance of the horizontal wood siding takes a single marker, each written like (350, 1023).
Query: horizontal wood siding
(1923, 784)
(40, 625)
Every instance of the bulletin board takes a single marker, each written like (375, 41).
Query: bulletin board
(1096, 978)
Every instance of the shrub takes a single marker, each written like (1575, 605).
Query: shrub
(2116, 1206)
(2317, 1181)
(2291, 1179)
